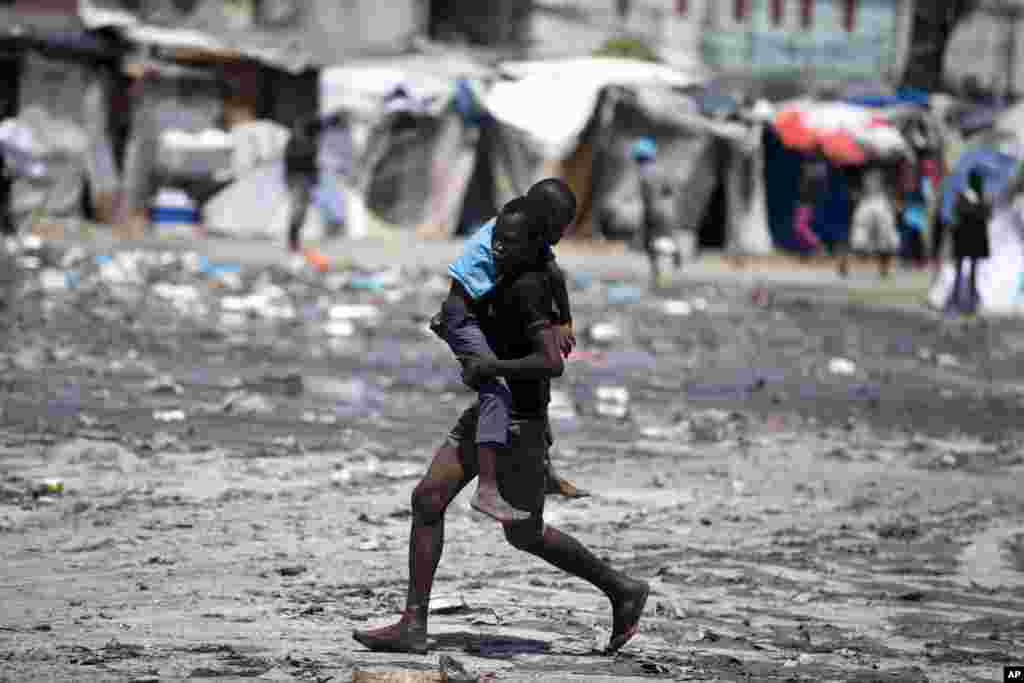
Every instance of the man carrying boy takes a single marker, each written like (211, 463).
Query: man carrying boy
(528, 353)
(474, 278)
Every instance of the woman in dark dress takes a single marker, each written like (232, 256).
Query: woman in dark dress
(971, 216)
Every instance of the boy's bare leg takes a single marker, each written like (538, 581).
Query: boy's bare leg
(487, 498)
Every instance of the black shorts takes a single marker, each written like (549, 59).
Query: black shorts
(522, 464)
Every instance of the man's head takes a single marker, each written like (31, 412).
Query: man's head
(557, 206)
(519, 235)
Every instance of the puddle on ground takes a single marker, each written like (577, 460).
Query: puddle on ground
(988, 563)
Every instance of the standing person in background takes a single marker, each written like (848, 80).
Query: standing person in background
(657, 218)
(971, 215)
(874, 230)
(300, 168)
(916, 205)
(813, 184)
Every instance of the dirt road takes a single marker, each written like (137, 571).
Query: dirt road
(236, 484)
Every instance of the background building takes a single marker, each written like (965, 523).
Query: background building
(986, 49)
(824, 38)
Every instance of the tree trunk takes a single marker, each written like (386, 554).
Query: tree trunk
(931, 31)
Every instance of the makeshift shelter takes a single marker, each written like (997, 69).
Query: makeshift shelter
(426, 153)
(604, 105)
(62, 80)
(718, 195)
(168, 98)
(848, 136)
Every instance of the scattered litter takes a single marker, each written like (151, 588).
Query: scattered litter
(48, 487)
(354, 312)
(612, 401)
(176, 415)
(842, 366)
(449, 604)
(340, 328)
(165, 384)
(624, 294)
(604, 333)
(677, 307)
(244, 403)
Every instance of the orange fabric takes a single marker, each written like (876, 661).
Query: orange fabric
(842, 149)
(794, 132)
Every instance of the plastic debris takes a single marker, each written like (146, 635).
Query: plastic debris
(604, 333)
(612, 401)
(176, 415)
(164, 384)
(624, 294)
(244, 403)
(842, 366)
(677, 307)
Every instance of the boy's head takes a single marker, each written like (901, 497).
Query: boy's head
(556, 204)
(976, 181)
(519, 235)
(644, 151)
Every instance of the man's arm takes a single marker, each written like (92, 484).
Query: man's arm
(544, 363)
(546, 359)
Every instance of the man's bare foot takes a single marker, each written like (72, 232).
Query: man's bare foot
(626, 613)
(489, 501)
(407, 635)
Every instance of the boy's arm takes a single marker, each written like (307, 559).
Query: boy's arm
(560, 292)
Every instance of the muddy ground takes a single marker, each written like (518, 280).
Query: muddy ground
(236, 484)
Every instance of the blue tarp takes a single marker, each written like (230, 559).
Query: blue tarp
(978, 118)
(998, 170)
(832, 214)
(915, 98)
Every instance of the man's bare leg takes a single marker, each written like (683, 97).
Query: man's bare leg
(628, 596)
(431, 497)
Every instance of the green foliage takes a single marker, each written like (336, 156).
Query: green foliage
(627, 48)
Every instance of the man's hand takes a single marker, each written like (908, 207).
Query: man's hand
(566, 338)
(476, 371)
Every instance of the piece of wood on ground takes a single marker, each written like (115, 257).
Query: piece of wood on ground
(399, 677)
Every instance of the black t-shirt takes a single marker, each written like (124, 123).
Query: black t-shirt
(300, 154)
(510, 317)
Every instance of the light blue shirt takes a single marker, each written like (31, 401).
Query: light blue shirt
(475, 269)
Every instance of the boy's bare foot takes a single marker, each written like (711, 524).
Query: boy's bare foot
(565, 488)
(626, 613)
(489, 501)
(407, 635)
(561, 486)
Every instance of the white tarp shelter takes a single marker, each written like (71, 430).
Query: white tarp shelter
(554, 100)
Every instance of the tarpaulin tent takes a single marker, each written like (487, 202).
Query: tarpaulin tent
(711, 163)
(604, 105)
(68, 98)
(831, 221)
(428, 154)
